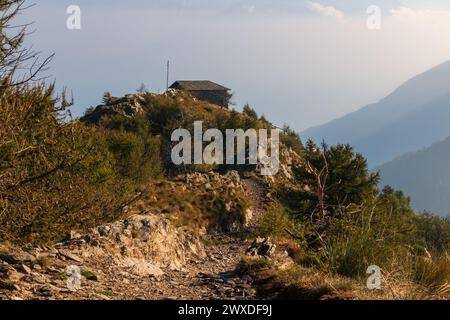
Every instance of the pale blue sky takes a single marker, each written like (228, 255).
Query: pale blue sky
(294, 64)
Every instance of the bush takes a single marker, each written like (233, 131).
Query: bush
(165, 115)
(226, 211)
(7, 285)
(275, 222)
(380, 232)
(351, 255)
(433, 232)
(249, 111)
(344, 179)
(249, 265)
(291, 139)
(58, 175)
(357, 225)
(136, 158)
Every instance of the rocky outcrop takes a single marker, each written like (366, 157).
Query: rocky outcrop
(288, 160)
(214, 181)
(140, 246)
(148, 238)
(128, 106)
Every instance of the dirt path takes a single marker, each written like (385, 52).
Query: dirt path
(258, 199)
(211, 277)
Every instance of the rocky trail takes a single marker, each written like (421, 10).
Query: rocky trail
(116, 262)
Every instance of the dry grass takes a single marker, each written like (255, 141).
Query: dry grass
(433, 273)
(42, 261)
(5, 247)
(249, 265)
(300, 283)
(194, 207)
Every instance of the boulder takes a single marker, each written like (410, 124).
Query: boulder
(140, 267)
(261, 247)
(16, 257)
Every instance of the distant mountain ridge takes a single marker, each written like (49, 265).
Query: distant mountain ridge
(423, 175)
(414, 116)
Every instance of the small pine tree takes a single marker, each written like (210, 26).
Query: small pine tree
(263, 119)
(249, 111)
(89, 111)
(291, 139)
(337, 177)
(142, 89)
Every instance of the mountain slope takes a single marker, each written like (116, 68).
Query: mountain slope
(411, 118)
(424, 176)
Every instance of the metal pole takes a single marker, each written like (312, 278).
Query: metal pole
(167, 79)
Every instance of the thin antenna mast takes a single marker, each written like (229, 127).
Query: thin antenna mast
(167, 79)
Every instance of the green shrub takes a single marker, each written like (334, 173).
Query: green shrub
(249, 265)
(226, 211)
(249, 111)
(381, 232)
(165, 115)
(7, 285)
(89, 275)
(433, 232)
(336, 176)
(351, 255)
(275, 222)
(57, 175)
(291, 139)
(136, 158)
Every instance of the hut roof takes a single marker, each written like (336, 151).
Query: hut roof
(198, 85)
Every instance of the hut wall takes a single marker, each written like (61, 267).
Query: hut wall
(220, 98)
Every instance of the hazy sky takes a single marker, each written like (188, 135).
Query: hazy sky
(298, 62)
